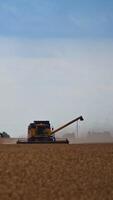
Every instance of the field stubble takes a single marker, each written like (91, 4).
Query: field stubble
(56, 172)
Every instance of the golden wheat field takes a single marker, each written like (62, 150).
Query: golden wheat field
(29, 172)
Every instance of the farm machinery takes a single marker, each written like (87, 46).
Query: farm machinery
(41, 132)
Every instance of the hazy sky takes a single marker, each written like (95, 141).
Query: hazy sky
(56, 63)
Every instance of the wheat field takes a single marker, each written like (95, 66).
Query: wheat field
(61, 171)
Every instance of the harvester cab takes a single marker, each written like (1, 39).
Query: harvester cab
(41, 132)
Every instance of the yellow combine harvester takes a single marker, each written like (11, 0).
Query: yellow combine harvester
(41, 132)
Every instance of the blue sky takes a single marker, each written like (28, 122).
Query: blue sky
(56, 62)
(56, 18)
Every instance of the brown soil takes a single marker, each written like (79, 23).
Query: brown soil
(69, 172)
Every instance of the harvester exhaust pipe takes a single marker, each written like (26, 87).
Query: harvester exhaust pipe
(65, 125)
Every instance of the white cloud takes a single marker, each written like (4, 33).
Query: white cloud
(55, 80)
(94, 22)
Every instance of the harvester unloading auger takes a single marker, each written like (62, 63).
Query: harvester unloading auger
(41, 132)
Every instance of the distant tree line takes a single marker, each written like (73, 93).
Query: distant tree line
(4, 135)
(98, 133)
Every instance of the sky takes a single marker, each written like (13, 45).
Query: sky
(56, 63)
